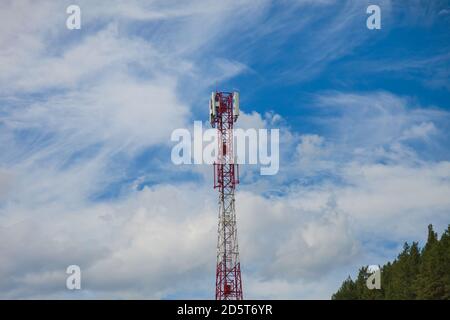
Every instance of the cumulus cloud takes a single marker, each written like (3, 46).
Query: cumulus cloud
(138, 243)
(315, 248)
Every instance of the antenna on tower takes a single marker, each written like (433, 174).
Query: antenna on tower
(223, 112)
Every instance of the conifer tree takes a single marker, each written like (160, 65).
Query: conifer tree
(428, 284)
(347, 291)
(414, 274)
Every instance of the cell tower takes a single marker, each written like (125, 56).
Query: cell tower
(223, 112)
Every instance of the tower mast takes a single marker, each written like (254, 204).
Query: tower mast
(224, 111)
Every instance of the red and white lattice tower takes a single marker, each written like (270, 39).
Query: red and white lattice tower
(224, 110)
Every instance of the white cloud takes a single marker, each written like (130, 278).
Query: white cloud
(396, 200)
(420, 131)
(140, 243)
(315, 248)
(5, 183)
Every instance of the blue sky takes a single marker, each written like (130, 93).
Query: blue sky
(86, 118)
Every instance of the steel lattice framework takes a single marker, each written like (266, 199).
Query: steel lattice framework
(226, 177)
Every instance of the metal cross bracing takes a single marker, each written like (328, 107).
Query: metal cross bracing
(224, 110)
